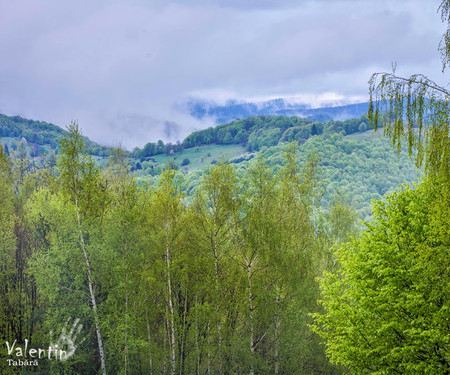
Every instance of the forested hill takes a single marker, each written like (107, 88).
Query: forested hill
(353, 160)
(40, 136)
(252, 133)
(256, 132)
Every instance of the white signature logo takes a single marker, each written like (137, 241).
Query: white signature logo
(65, 342)
(61, 348)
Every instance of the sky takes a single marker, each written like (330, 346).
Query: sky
(126, 69)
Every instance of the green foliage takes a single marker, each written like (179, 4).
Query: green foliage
(386, 307)
(362, 167)
(221, 283)
(341, 220)
(215, 273)
(416, 109)
(8, 242)
(38, 133)
(260, 131)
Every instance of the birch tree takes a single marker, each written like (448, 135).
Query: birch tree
(69, 215)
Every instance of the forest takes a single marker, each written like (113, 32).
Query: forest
(221, 284)
(354, 162)
(252, 133)
(146, 278)
(253, 270)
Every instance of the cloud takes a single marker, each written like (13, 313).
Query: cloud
(123, 68)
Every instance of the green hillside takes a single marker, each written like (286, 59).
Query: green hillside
(354, 162)
(40, 136)
(273, 212)
(256, 132)
(361, 166)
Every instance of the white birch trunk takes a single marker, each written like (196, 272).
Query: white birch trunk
(91, 292)
(250, 311)
(219, 323)
(277, 327)
(150, 359)
(171, 310)
(126, 325)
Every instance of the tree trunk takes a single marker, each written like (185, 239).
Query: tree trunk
(276, 329)
(150, 359)
(171, 309)
(197, 344)
(182, 354)
(126, 325)
(250, 316)
(92, 293)
(218, 297)
(166, 335)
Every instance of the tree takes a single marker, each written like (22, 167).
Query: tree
(10, 324)
(416, 109)
(167, 227)
(159, 147)
(69, 218)
(215, 210)
(121, 269)
(387, 305)
(277, 252)
(228, 138)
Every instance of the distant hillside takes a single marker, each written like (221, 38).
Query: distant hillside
(353, 160)
(252, 133)
(40, 136)
(234, 110)
(361, 166)
(256, 132)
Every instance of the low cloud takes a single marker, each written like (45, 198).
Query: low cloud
(123, 68)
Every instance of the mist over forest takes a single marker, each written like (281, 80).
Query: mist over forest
(277, 203)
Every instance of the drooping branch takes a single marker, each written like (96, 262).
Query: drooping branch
(414, 109)
(411, 82)
(444, 45)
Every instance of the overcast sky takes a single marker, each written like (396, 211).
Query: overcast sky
(124, 69)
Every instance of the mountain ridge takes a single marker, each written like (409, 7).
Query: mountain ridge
(233, 110)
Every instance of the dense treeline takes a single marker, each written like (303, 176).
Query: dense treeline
(362, 167)
(253, 133)
(257, 132)
(40, 133)
(221, 284)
